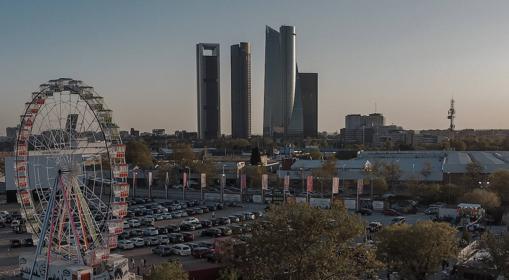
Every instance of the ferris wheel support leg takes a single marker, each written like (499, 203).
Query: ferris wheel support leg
(42, 236)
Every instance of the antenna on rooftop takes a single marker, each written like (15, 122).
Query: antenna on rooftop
(451, 116)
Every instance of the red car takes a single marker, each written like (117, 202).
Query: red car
(391, 212)
(188, 236)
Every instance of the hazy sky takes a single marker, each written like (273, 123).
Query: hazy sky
(408, 57)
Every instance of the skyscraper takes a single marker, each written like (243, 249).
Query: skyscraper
(309, 91)
(207, 69)
(282, 116)
(241, 90)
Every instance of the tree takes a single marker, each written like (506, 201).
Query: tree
(474, 170)
(498, 247)
(168, 271)
(137, 153)
(255, 156)
(487, 199)
(499, 183)
(315, 154)
(207, 167)
(2, 166)
(416, 250)
(380, 185)
(183, 153)
(173, 173)
(297, 241)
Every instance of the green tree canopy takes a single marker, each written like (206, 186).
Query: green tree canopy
(474, 170)
(183, 153)
(498, 247)
(315, 154)
(417, 250)
(137, 153)
(487, 199)
(296, 241)
(499, 183)
(168, 271)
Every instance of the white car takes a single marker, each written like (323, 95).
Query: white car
(151, 241)
(191, 220)
(181, 250)
(167, 216)
(134, 223)
(126, 225)
(163, 239)
(138, 242)
(150, 231)
(125, 244)
(159, 217)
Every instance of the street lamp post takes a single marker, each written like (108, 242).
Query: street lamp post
(188, 177)
(223, 182)
(135, 172)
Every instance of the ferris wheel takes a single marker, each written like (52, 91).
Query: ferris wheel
(71, 174)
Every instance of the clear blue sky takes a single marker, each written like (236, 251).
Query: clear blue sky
(408, 57)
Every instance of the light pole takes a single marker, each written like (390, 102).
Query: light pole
(223, 182)
(186, 182)
(135, 172)
(302, 178)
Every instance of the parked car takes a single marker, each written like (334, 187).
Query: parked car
(431, 211)
(163, 239)
(148, 221)
(167, 216)
(214, 232)
(206, 244)
(398, 220)
(241, 217)
(205, 223)
(212, 207)
(225, 231)
(192, 245)
(391, 212)
(134, 223)
(224, 221)
(138, 242)
(150, 231)
(162, 250)
(173, 228)
(162, 230)
(176, 237)
(187, 227)
(365, 211)
(190, 220)
(125, 244)
(236, 229)
(205, 209)
(136, 232)
(201, 252)
(181, 250)
(198, 210)
(188, 236)
(249, 216)
(159, 217)
(151, 240)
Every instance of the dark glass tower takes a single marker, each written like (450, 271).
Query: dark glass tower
(207, 67)
(241, 90)
(309, 92)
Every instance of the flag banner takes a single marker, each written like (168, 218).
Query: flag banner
(265, 182)
(203, 180)
(287, 183)
(335, 185)
(184, 180)
(360, 186)
(309, 185)
(243, 183)
(149, 179)
(167, 180)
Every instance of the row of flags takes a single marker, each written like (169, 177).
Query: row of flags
(265, 182)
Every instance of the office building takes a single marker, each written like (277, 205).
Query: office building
(309, 92)
(241, 90)
(11, 132)
(207, 69)
(282, 114)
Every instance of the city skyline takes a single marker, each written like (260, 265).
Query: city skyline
(140, 57)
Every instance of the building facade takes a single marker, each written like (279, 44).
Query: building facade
(241, 90)
(282, 103)
(309, 92)
(207, 67)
